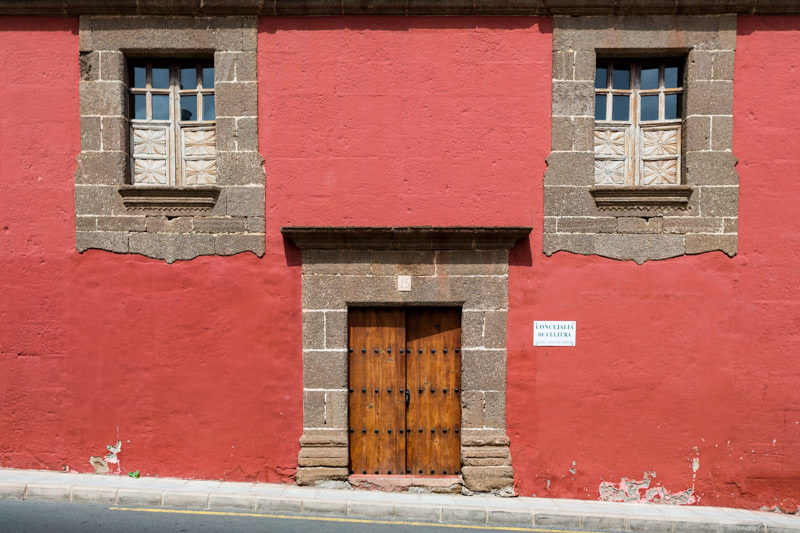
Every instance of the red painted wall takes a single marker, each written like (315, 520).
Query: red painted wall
(404, 121)
(690, 358)
(196, 366)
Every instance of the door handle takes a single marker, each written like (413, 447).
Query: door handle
(408, 397)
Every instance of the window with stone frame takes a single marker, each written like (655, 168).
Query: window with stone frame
(638, 122)
(172, 118)
(653, 184)
(169, 165)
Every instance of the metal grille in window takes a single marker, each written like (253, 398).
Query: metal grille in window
(638, 110)
(173, 131)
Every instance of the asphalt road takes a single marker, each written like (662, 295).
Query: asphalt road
(36, 517)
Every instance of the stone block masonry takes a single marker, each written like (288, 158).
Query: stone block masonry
(169, 223)
(643, 223)
(449, 266)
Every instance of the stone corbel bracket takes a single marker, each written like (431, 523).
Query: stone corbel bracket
(449, 266)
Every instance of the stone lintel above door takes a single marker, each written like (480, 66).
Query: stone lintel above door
(405, 237)
(449, 266)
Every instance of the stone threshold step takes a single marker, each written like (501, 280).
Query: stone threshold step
(407, 483)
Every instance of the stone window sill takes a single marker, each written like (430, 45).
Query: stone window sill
(647, 198)
(165, 200)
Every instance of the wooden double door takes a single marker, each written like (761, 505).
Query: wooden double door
(405, 390)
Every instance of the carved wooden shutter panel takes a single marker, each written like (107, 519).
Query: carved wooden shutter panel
(150, 146)
(198, 149)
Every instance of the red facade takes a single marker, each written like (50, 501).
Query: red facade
(684, 370)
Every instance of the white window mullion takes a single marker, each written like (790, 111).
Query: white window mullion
(174, 110)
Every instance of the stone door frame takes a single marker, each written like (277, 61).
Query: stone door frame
(449, 266)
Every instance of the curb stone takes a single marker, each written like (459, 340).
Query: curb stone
(510, 518)
(47, 493)
(232, 502)
(272, 505)
(139, 497)
(105, 495)
(464, 515)
(325, 507)
(557, 520)
(186, 500)
(370, 509)
(424, 513)
(11, 491)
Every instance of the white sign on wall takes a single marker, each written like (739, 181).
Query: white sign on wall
(404, 283)
(554, 333)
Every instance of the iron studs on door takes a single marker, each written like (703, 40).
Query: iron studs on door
(383, 332)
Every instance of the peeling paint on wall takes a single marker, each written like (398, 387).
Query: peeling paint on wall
(113, 451)
(695, 465)
(100, 464)
(629, 490)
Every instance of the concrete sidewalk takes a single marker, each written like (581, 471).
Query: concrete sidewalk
(545, 514)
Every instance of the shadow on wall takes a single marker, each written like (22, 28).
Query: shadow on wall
(520, 254)
(400, 23)
(294, 257)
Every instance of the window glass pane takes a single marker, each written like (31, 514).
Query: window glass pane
(160, 106)
(208, 77)
(649, 78)
(672, 106)
(600, 107)
(188, 78)
(139, 106)
(620, 106)
(650, 107)
(601, 77)
(209, 113)
(189, 107)
(140, 76)
(622, 77)
(672, 77)
(160, 78)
